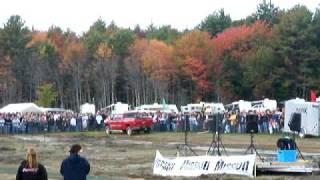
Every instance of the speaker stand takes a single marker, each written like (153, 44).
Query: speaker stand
(216, 140)
(216, 144)
(252, 148)
(185, 149)
(294, 139)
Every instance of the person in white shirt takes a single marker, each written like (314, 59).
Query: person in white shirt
(84, 121)
(2, 121)
(15, 124)
(55, 118)
(73, 123)
(98, 119)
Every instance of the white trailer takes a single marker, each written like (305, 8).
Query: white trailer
(117, 108)
(310, 116)
(241, 106)
(153, 108)
(203, 106)
(87, 108)
(263, 105)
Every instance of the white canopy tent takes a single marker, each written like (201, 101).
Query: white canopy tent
(21, 107)
(88, 108)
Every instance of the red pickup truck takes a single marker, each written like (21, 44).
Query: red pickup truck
(129, 122)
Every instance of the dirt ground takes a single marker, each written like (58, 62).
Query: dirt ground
(121, 157)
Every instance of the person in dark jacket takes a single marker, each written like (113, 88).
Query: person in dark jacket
(75, 167)
(30, 169)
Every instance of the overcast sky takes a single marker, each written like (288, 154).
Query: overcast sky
(78, 15)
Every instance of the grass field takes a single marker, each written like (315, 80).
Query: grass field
(121, 157)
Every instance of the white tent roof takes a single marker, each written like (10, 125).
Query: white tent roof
(21, 107)
(87, 108)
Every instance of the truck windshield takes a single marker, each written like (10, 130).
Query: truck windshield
(135, 115)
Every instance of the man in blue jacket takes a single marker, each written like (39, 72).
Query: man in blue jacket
(75, 167)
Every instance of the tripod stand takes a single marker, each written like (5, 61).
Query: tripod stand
(216, 140)
(252, 147)
(185, 149)
(294, 139)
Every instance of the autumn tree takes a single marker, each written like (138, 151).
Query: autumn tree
(43, 55)
(194, 50)
(105, 67)
(271, 53)
(232, 50)
(158, 64)
(140, 85)
(74, 61)
(197, 71)
(55, 49)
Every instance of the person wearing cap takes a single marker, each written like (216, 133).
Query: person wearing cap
(75, 167)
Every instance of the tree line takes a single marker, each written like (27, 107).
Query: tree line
(271, 53)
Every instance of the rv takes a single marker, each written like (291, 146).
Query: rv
(241, 106)
(118, 108)
(203, 107)
(153, 108)
(263, 105)
(308, 114)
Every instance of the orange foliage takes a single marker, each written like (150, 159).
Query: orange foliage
(157, 61)
(198, 72)
(195, 51)
(138, 48)
(5, 63)
(37, 37)
(74, 50)
(103, 51)
(196, 44)
(58, 41)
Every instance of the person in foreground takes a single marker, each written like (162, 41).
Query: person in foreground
(75, 167)
(30, 169)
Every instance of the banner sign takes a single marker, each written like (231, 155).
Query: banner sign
(204, 165)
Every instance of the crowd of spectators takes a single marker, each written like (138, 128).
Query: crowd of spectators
(267, 121)
(32, 123)
(229, 122)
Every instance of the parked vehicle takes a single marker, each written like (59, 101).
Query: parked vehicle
(118, 108)
(153, 108)
(307, 116)
(263, 105)
(129, 122)
(241, 106)
(203, 107)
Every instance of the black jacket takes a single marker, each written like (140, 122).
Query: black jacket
(25, 173)
(75, 167)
